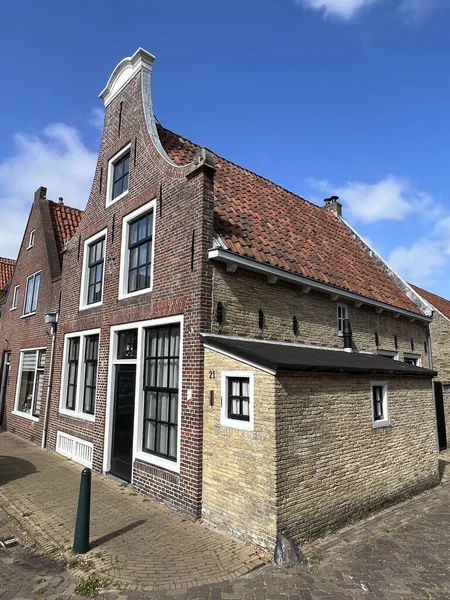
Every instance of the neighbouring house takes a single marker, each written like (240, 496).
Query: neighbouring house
(440, 336)
(6, 272)
(30, 314)
(230, 348)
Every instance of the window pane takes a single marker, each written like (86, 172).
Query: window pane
(132, 281)
(37, 281)
(127, 344)
(134, 254)
(117, 190)
(235, 387)
(173, 372)
(174, 408)
(118, 170)
(162, 435)
(26, 391)
(38, 393)
(163, 342)
(125, 183)
(162, 372)
(175, 341)
(245, 408)
(133, 232)
(173, 442)
(150, 405)
(142, 228)
(163, 407)
(149, 436)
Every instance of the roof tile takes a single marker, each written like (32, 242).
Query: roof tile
(6, 271)
(441, 304)
(65, 221)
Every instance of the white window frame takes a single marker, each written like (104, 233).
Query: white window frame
(109, 188)
(138, 453)
(236, 423)
(16, 411)
(388, 354)
(78, 412)
(340, 331)
(417, 357)
(15, 298)
(31, 239)
(385, 421)
(33, 312)
(125, 254)
(84, 274)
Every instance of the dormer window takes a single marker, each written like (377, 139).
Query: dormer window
(118, 176)
(31, 239)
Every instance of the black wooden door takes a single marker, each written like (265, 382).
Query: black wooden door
(122, 447)
(440, 415)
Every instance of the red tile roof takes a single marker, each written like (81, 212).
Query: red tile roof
(261, 220)
(441, 304)
(6, 271)
(65, 221)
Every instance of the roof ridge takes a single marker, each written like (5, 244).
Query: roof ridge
(245, 169)
(12, 260)
(65, 205)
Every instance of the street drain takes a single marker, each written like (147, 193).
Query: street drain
(9, 543)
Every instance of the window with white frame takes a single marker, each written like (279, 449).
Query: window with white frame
(342, 314)
(161, 391)
(136, 263)
(32, 294)
(93, 271)
(379, 392)
(15, 298)
(30, 382)
(118, 175)
(31, 239)
(412, 359)
(237, 399)
(80, 369)
(388, 354)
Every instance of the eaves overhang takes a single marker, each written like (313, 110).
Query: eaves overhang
(234, 261)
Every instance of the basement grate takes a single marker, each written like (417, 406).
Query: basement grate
(9, 543)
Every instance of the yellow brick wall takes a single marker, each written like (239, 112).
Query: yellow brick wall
(239, 466)
(440, 343)
(332, 465)
(243, 293)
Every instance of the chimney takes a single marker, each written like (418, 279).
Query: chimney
(333, 205)
(61, 200)
(40, 193)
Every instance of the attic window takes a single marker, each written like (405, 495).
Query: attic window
(31, 239)
(342, 314)
(118, 176)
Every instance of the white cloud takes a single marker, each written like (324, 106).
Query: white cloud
(411, 10)
(420, 262)
(57, 159)
(96, 118)
(345, 9)
(389, 199)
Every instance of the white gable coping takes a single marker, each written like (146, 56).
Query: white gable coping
(124, 72)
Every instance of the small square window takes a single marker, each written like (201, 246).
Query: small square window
(31, 239)
(342, 315)
(380, 416)
(237, 400)
(412, 359)
(15, 299)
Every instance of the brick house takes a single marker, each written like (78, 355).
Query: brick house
(6, 272)
(26, 337)
(230, 348)
(440, 335)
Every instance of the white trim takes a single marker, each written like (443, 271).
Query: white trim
(125, 254)
(235, 423)
(226, 256)
(14, 306)
(413, 355)
(78, 412)
(76, 443)
(109, 186)
(16, 411)
(388, 353)
(385, 422)
(31, 239)
(124, 72)
(84, 278)
(138, 453)
(340, 332)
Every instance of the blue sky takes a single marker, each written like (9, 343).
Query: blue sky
(346, 97)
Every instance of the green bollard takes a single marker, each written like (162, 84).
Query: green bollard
(81, 538)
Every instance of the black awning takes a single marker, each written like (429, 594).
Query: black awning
(290, 357)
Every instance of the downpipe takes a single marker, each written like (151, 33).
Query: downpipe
(49, 387)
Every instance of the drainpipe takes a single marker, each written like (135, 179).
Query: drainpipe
(347, 333)
(430, 361)
(53, 319)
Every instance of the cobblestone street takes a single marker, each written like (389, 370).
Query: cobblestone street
(403, 552)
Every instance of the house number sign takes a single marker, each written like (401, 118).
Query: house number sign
(212, 374)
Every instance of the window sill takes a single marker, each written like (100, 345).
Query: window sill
(28, 315)
(137, 293)
(111, 202)
(77, 415)
(380, 424)
(24, 415)
(29, 247)
(236, 424)
(157, 461)
(13, 308)
(88, 306)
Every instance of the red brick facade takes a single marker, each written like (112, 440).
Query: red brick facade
(181, 286)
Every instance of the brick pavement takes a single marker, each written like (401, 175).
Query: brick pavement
(402, 552)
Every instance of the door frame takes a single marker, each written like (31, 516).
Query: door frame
(131, 363)
(139, 393)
